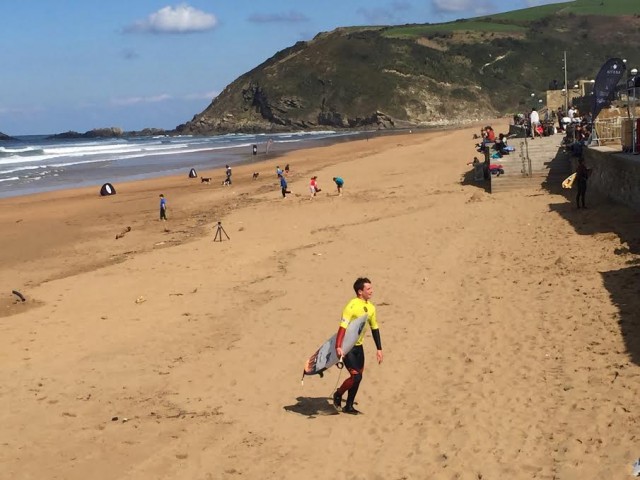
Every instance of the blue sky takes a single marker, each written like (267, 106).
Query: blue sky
(83, 64)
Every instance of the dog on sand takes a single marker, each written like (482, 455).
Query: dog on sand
(205, 179)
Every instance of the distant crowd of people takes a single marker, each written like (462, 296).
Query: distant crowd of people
(314, 187)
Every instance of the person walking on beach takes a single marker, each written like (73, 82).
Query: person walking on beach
(582, 175)
(283, 186)
(163, 208)
(354, 359)
(534, 120)
(227, 181)
(339, 183)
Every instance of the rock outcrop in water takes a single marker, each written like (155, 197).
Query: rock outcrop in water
(111, 132)
(6, 138)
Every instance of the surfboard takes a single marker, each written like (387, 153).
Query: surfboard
(326, 357)
(568, 182)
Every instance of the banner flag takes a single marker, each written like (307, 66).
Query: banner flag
(606, 81)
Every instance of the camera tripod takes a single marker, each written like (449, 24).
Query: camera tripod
(219, 232)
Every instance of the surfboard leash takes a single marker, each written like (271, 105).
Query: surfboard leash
(340, 366)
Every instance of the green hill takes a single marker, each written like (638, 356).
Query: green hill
(429, 74)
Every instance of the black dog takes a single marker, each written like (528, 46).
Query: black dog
(255, 175)
(205, 179)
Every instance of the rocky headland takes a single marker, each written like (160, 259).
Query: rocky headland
(419, 75)
(6, 138)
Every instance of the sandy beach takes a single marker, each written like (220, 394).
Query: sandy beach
(509, 325)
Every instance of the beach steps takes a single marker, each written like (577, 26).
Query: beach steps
(549, 163)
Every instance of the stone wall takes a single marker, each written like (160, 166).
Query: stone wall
(555, 98)
(614, 174)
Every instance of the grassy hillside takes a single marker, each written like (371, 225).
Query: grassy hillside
(579, 7)
(426, 74)
(519, 20)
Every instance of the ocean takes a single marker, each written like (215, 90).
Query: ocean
(34, 164)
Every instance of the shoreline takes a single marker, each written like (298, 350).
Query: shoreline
(80, 220)
(206, 160)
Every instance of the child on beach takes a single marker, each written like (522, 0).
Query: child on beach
(163, 208)
(313, 186)
(283, 186)
(339, 183)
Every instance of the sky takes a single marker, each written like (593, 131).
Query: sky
(84, 64)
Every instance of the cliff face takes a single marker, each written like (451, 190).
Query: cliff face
(414, 75)
(342, 80)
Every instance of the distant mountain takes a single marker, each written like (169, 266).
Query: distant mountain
(109, 132)
(389, 77)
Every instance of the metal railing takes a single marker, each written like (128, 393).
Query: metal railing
(609, 130)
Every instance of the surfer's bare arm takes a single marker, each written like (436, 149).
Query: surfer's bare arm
(339, 338)
(376, 338)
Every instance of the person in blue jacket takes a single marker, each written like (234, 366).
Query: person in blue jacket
(283, 186)
(163, 207)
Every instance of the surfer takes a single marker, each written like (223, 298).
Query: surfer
(354, 359)
(582, 175)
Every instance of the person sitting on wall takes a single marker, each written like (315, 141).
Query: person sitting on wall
(488, 136)
(501, 145)
(491, 135)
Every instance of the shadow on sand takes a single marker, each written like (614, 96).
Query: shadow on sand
(312, 407)
(469, 179)
(603, 216)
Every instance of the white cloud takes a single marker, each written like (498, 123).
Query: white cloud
(475, 7)
(202, 96)
(181, 19)
(377, 15)
(290, 17)
(537, 3)
(389, 14)
(20, 110)
(163, 97)
(125, 101)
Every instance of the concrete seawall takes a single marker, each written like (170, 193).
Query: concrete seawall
(615, 175)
